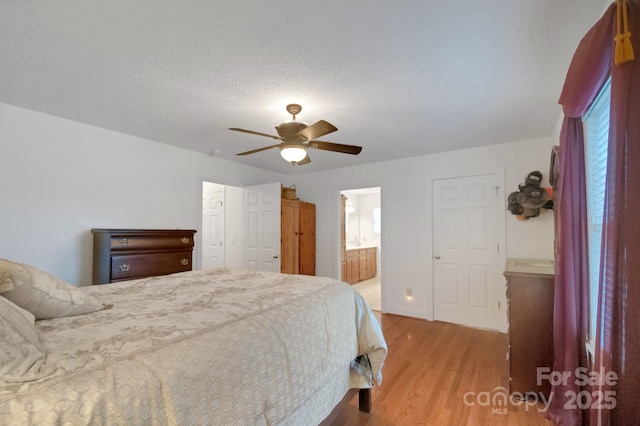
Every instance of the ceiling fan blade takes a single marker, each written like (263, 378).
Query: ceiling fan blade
(253, 151)
(305, 160)
(316, 130)
(336, 147)
(235, 129)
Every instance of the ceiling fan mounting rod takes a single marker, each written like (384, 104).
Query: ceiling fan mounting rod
(294, 109)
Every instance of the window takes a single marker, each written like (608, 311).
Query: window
(596, 123)
(376, 220)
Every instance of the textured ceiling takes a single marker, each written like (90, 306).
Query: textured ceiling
(398, 78)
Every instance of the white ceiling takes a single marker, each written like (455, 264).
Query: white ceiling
(397, 78)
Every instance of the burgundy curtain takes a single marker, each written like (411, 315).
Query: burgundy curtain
(618, 330)
(589, 69)
(571, 298)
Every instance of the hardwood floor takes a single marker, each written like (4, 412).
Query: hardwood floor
(430, 369)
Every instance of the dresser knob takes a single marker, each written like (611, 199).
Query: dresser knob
(124, 242)
(124, 267)
(184, 261)
(184, 240)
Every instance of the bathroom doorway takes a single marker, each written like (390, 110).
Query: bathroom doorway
(361, 243)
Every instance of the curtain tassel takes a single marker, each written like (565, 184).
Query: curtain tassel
(624, 48)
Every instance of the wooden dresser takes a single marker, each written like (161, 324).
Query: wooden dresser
(530, 297)
(126, 254)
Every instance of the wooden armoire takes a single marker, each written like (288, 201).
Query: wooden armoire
(298, 237)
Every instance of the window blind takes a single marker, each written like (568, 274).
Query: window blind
(596, 123)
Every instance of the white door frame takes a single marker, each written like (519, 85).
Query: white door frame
(197, 239)
(238, 233)
(221, 226)
(337, 270)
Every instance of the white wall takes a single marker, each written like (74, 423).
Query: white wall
(59, 179)
(406, 226)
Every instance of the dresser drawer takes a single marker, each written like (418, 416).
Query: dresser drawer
(140, 242)
(130, 266)
(125, 254)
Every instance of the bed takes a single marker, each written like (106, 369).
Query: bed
(221, 346)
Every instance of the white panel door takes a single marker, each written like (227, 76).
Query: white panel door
(262, 227)
(212, 225)
(467, 279)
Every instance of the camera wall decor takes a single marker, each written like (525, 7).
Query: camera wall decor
(530, 197)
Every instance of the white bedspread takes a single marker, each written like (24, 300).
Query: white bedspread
(222, 346)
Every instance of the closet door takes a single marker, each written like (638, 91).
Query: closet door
(262, 227)
(289, 242)
(307, 235)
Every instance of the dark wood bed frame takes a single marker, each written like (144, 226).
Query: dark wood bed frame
(364, 400)
(364, 404)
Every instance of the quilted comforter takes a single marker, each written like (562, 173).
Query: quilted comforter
(222, 346)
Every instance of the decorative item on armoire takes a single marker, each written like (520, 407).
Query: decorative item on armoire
(289, 192)
(530, 197)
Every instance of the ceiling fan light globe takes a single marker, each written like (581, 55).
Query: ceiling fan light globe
(293, 154)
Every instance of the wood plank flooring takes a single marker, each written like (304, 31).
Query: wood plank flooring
(430, 368)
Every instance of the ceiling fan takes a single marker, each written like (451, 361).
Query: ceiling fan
(297, 137)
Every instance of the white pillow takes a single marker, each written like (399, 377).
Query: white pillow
(21, 355)
(42, 294)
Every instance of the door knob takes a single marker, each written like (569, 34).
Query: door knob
(436, 257)
(275, 256)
